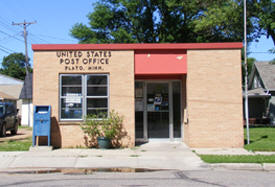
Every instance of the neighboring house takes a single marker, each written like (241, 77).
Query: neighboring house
(27, 107)
(261, 92)
(7, 98)
(11, 87)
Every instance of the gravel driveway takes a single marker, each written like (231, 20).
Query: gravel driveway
(22, 133)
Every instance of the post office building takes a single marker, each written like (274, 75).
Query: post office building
(189, 92)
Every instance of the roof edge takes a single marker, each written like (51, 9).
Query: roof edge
(260, 75)
(136, 46)
(4, 95)
(19, 80)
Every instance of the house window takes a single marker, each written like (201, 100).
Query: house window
(81, 95)
(256, 82)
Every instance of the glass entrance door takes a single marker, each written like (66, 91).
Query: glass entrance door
(158, 110)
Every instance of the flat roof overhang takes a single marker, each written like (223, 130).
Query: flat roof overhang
(137, 46)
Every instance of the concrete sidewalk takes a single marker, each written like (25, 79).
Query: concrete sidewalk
(155, 155)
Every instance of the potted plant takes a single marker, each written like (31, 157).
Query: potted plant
(102, 130)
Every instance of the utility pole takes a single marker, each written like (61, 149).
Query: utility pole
(246, 75)
(25, 24)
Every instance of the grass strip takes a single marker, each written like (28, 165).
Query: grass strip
(25, 127)
(238, 158)
(261, 139)
(16, 145)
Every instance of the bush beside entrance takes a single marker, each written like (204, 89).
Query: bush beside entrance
(100, 125)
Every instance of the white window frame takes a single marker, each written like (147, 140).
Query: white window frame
(96, 97)
(84, 96)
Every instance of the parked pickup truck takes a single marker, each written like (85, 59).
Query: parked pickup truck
(8, 118)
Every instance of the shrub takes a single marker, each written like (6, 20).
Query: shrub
(101, 126)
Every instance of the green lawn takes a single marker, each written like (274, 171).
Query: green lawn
(238, 158)
(25, 127)
(261, 139)
(16, 145)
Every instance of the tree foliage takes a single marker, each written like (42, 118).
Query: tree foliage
(250, 63)
(14, 65)
(263, 13)
(174, 21)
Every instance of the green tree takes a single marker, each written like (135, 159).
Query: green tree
(224, 22)
(263, 13)
(150, 21)
(14, 65)
(226, 19)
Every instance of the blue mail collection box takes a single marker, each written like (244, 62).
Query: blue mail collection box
(41, 123)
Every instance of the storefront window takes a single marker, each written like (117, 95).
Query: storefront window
(82, 95)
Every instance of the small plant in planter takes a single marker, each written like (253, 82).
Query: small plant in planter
(102, 130)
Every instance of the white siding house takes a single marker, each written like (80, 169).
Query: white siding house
(27, 107)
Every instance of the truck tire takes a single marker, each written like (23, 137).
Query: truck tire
(14, 131)
(3, 130)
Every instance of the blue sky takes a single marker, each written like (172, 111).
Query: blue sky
(55, 18)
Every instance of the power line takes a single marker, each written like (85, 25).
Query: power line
(7, 49)
(42, 36)
(37, 37)
(10, 36)
(6, 26)
(53, 37)
(4, 51)
(259, 52)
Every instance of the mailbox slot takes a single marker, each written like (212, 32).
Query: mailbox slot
(42, 109)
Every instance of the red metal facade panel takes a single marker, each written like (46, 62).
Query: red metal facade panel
(159, 77)
(161, 62)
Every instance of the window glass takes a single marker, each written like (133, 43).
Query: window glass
(71, 109)
(96, 80)
(96, 91)
(67, 91)
(71, 85)
(98, 112)
(71, 80)
(2, 109)
(96, 85)
(96, 103)
(73, 94)
(10, 109)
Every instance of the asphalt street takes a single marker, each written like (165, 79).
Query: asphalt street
(165, 178)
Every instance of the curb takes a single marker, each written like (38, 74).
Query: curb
(238, 166)
(244, 166)
(269, 167)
